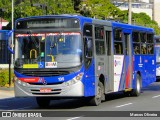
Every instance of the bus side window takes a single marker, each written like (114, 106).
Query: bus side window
(118, 49)
(99, 40)
(143, 37)
(115, 48)
(136, 42)
(150, 43)
(118, 43)
(150, 49)
(136, 48)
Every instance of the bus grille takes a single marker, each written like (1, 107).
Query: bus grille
(47, 83)
(37, 73)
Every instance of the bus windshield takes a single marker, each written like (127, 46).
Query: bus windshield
(49, 50)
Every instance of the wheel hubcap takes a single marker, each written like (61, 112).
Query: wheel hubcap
(99, 92)
(138, 86)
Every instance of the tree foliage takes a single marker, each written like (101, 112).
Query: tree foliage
(25, 8)
(101, 9)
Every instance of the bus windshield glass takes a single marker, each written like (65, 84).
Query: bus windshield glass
(48, 50)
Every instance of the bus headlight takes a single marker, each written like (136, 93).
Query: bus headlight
(74, 80)
(22, 83)
(19, 81)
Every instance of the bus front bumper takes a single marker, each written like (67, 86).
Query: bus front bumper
(60, 90)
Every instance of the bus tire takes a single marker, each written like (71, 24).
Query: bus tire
(97, 99)
(43, 102)
(137, 90)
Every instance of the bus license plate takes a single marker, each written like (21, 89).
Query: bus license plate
(45, 90)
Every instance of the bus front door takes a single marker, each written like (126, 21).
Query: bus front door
(127, 72)
(109, 66)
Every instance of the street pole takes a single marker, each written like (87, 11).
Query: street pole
(11, 55)
(1, 16)
(153, 10)
(129, 12)
(12, 19)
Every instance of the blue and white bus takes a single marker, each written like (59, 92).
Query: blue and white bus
(70, 56)
(157, 47)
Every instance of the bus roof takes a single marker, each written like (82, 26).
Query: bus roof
(58, 16)
(132, 27)
(81, 18)
(84, 19)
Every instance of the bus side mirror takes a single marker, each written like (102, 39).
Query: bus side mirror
(10, 50)
(10, 45)
(88, 47)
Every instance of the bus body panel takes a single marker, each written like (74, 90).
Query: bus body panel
(90, 80)
(145, 64)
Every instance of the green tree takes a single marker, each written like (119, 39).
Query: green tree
(101, 9)
(25, 8)
(141, 19)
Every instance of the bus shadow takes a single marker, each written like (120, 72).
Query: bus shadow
(114, 96)
(67, 104)
(5, 103)
(78, 103)
(13, 103)
(152, 87)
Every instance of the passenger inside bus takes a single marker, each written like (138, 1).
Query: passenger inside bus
(150, 49)
(144, 49)
(136, 50)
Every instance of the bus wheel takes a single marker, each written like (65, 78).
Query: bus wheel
(43, 102)
(137, 90)
(96, 100)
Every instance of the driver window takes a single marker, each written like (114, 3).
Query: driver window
(88, 48)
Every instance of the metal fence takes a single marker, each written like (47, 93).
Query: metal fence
(4, 53)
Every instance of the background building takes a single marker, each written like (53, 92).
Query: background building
(150, 7)
(3, 23)
(156, 11)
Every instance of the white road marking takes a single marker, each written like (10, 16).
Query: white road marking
(73, 118)
(124, 105)
(156, 96)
